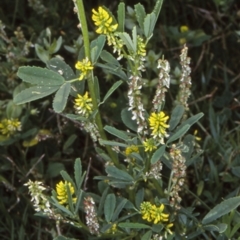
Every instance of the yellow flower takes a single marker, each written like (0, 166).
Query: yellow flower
(141, 47)
(84, 66)
(9, 126)
(103, 21)
(158, 124)
(197, 138)
(83, 105)
(149, 145)
(158, 215)
(131, 149)
(184, 29)
(61, 189)
(146, 208)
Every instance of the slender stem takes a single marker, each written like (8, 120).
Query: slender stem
(90, 80)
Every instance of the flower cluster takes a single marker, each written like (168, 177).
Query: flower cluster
(178, 176)
(40, 201)
(185, 81)
(84, 66)
(91, 215)
(62, 194)
(163, 84)
(183, 29)
(9, 126)
(158, 125)
(149, 145)
(152, 213)
(131, 149)
(83, 105)
(103, 21)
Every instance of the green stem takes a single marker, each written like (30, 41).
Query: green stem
(90, 80)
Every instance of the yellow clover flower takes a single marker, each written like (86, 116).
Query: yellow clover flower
(152, 213)
(131, 149)
(83, 105)
(146, 208)
(184, 29)
(84, 66)
(149, 145)
(158, 215)
(103, 21)
(158, 124)
(9, 126)
(61, 189)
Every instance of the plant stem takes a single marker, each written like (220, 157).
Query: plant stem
(90, 80)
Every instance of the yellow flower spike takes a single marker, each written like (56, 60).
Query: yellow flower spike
(131, 149)
(149, 145)
(83, 105)
(158, 124)
(145, 209)
(158, 215)
(103, 21)
(84, 66)
(9, 126)
(61, 189)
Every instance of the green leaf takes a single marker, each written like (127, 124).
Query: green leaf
(69, 198)
(59, 66)
(221, 209)
(109, 58)
(116, 132)
(110, 68)
(111, 90)
(128, 42)
(42, 53)
(112, 143)
(55, 46)
(109, 206)
(147, 235)
(54, 169)
(34, 93)
(149, 24)
(140, 14)
(69, 141)
(121, 17)
(221, 228)
(13, 110)
(133, 225)
(119, 209)
(118, 174)
(96, 48)
(176, 116)
(139, 197)
(190, 121)
(78, 172)
(158, 154)
(179, 133)
(67, 178)
(40, 76)
(102, 201)
(157, 9)
(134, 36)
(127, 119)
(61, 97)
(61, 207)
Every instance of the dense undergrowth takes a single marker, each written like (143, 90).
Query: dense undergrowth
(33, 32)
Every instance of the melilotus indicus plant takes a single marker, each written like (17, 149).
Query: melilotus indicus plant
(140, 197)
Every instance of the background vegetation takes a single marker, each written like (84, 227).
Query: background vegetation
(213, 37)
